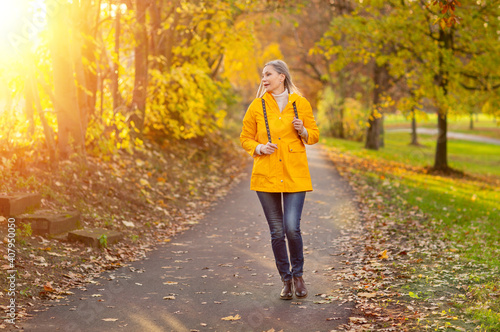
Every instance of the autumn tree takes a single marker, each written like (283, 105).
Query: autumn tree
(65, 94)
(138, 107)
(442, 63)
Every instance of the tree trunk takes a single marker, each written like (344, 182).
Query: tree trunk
(471, 123)
(414, 137)
(441, 157)
(330, 119)
(89, 51)
(82, 96)
(342, 89)
(30, 112)
(31, 89)
(372, 133)
(441, 160)
(381, 132)
(138, 106)
(374, 121)
(215, 71)
(69, 121)
(115, 75)
(157, 36)
(171, 35)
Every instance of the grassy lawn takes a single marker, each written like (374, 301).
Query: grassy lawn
(469, 157)
(464, 211)
(483, 125)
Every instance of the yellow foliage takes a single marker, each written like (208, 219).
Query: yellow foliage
(243, 61)
(329, 118)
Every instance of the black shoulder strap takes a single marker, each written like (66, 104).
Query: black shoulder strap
(296, 115)
(265, 118)
(267, 123)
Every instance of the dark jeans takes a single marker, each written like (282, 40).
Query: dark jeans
(285, 221)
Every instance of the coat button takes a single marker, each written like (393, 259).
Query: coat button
(279, 137)
(291, 149)
(280, 117)
(280, 159)
(281, 180)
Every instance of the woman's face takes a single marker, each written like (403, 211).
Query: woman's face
(272, 81)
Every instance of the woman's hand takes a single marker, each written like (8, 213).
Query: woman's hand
(269, 148)
(298, 125)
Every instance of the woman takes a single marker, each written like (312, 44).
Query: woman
(280, 169)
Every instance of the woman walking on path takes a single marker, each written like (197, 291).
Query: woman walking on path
(276, 126)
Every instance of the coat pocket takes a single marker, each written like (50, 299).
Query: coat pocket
(261, 165)
(296, 147)
(297, 160)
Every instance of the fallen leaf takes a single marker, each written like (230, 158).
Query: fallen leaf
(144, 183)
(48, 287)
(236, 317)
(367, 295)
(110, 319)
(383, 255)
(128, 223)
(170, 297)
(357, 320)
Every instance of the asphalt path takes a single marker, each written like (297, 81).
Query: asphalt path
(223, 267)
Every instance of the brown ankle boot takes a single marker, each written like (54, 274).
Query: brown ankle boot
(300, 287)
(287, 291)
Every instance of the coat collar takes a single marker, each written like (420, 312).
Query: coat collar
(270, 99)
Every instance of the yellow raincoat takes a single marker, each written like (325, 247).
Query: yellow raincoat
(286, 170)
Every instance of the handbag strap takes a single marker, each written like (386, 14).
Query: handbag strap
(267, 123)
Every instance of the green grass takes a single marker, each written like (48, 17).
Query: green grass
(470, 157)
(469, 210)
(487, 310)
(484, 125)
(463, 210)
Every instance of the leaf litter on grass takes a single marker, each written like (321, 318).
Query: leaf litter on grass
(399, 270)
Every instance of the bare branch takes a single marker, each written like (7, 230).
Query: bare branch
(475, 88)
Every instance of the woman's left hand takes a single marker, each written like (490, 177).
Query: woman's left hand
(298, 124)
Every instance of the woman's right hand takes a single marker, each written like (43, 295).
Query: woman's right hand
(269, 148)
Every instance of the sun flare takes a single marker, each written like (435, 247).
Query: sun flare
(10, 14)
(11, 22)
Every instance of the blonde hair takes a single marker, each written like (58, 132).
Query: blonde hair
(281, 67)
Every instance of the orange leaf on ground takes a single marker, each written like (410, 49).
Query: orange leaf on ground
(383, 255)
(48, 287)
